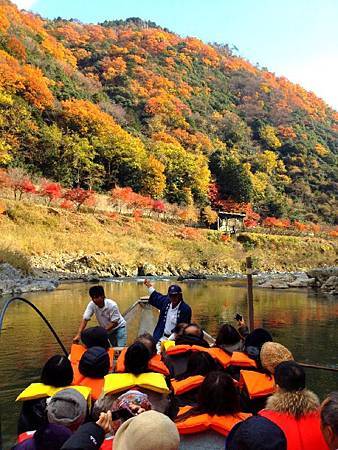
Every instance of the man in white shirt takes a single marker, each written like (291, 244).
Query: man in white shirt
(108, 316)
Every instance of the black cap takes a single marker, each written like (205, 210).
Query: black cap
(174, 289)
(94, 363)
(256, 433)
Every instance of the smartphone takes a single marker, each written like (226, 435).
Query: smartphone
(238, 317)
(122, 413)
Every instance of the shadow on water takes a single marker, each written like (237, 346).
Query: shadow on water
(305, 322)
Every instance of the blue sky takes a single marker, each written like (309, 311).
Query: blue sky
(294, 38)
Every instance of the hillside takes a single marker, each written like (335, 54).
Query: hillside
(49, 240)
(129, 103)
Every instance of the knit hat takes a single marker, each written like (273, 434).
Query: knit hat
(94, 363)
(272, 354)
(256, 433)
(132, 396)
(150, 430)
(95, 337)
(67, 407)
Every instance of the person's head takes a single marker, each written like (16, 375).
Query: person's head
(227, 335)
(329, 420)
(136, 358)
(256, 433)
(95, 337)
(200, 363)
(48, 437)
(193, 329)
(175, 294)
(148, 341)
(68, 408)
(57, 372)
(150, 430)
(290, 376)
(97, 295)
(179, 329)
(272, 354)
(255, 340)
(218, 394)
(94, 363)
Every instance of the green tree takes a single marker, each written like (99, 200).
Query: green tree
(231, 176)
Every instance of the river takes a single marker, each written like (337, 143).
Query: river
(303, 321)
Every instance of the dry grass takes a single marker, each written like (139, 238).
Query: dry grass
(30, 230)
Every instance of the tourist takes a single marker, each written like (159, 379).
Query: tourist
(192, 335)
(259, 384)
(173, 310)
(229, 339)
(107, 314)
(219, 399)
(149, 342)
(130, 403)
(329, 420)
(48, 436)
(199, 363)
(68, 408)
(150, 430)
(57, 372)
(295, 409)
(136, 358)
(95, 337)
(256, 433)
(90, 435)
(187, 384)
(93, 366)
(254, 341)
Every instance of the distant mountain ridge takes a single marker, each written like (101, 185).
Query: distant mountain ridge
(129, 103)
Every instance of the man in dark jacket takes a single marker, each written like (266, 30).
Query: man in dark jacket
(173, 309)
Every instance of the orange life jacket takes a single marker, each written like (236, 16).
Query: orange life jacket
(96, 384)
(188, 384)
(204, 422)
(257, 384)
(217, 353)
(155, 364)
(77, 350)
(242, 360)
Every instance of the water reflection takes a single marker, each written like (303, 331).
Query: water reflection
(305, 322)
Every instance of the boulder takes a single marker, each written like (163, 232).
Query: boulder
(331, 285)
(192, 276)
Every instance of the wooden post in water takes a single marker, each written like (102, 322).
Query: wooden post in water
(250, 293)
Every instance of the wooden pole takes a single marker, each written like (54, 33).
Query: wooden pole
(250, 293)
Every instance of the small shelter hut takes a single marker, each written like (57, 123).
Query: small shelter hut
(230, 222)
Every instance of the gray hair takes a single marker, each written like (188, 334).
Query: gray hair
(329, 412)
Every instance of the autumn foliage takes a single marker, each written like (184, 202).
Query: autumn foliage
(127, 103)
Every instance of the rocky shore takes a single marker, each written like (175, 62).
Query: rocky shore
(48, 272)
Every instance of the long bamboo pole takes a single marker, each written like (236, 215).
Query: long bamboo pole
(250, 293)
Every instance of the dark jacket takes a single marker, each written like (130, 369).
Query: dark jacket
(88, 437)
(33, 415)
(162, 302)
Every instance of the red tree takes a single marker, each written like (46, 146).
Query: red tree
(79, 196)
(51, 190)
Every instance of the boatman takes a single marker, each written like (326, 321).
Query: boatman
(173, 310)
(108, 316)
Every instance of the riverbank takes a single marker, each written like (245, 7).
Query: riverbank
(48, 245)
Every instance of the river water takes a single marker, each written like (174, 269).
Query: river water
(305, 322)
